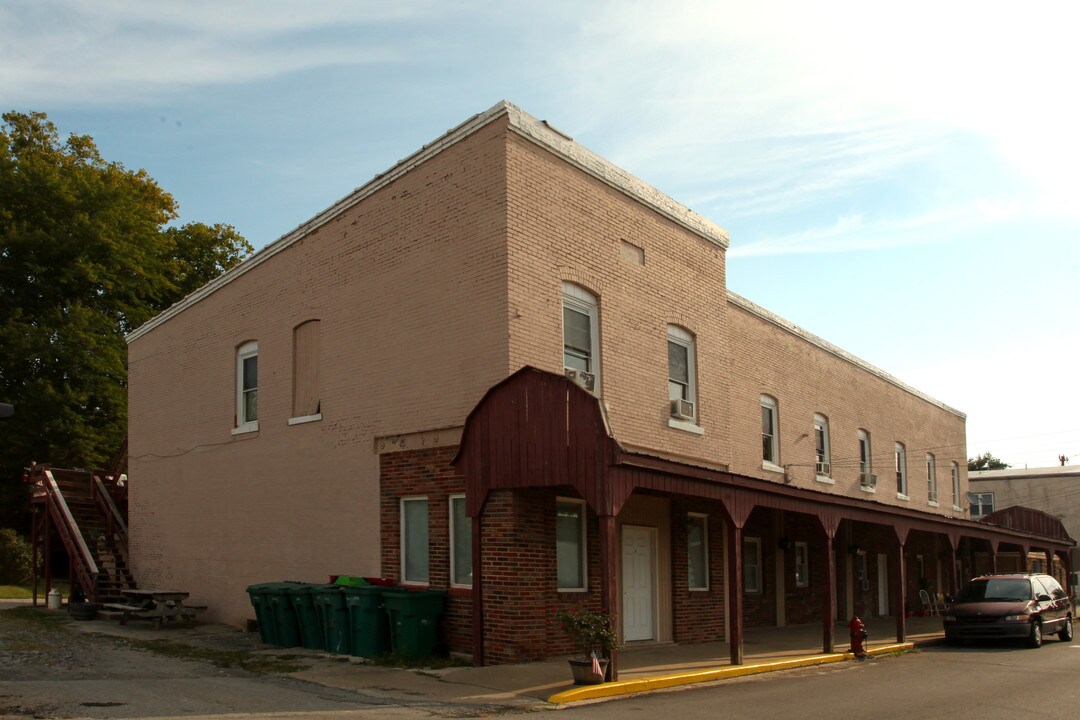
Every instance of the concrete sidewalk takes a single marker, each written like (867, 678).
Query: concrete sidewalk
(642, 668)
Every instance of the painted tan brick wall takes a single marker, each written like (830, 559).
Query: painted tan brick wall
(805, 380)
(565, 225)
(410, 288)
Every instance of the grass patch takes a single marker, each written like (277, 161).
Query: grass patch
(38, 616)
(235, 659)
(25, 592)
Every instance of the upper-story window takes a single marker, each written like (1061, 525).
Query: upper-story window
(770, 430)
(821, 445)
(247, 387)
(955, 472)
(901, 471)
(306, 401)
(931, 479)
(867, 479)
(581, 335)
(682, 386)
(982, 504)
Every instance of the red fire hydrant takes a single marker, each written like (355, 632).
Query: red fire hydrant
(858, 635)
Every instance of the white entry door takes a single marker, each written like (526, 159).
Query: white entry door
(638, 551)
(883, 585)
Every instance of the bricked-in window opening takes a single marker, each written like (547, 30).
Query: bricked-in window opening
(306, 400)
(460, 543)
(570, 544)
(247, 387)
(697, 548)
(752, 565)
(414, 540)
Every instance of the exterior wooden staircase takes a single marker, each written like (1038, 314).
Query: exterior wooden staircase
(87, 511)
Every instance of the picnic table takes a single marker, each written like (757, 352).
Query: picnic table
(157, 605)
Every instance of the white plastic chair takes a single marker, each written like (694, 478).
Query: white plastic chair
(928, 605)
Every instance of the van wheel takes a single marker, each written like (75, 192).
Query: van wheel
(1065, 635)
(1035, 638)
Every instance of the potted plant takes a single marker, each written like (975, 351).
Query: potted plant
(592, 634)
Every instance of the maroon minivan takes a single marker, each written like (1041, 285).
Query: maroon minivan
(1017, 605)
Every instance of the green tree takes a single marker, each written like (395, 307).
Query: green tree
(986, 461)
(86, 255)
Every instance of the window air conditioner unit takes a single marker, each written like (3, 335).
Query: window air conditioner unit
(682, 409)
(585, 379)
(868, 480)
(823, 468)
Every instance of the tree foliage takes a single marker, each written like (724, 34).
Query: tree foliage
(87, 254)
(986, 461)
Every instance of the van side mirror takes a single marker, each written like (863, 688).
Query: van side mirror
(1043, 597)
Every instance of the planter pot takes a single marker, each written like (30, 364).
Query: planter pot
(583, 674)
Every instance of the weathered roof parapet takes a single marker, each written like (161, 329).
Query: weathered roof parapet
(520, 122)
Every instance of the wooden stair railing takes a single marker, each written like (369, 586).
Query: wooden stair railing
(83, 565)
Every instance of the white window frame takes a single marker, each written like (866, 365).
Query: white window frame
(866, 459)
(243, 424)
(405, 579)
(978, 502)
(683, 338)
(581, 300)
(451, 501)
(954, 472)
(802, 564)
(931, 480)
(758, 587)
(690, 518)
(822, 455)
(769, 403)
(900, 456)
(584, 535)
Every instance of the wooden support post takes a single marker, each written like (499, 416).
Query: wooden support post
(608, 583)
(828, 614)
(477, 594)
(735, 591)
(900, 575)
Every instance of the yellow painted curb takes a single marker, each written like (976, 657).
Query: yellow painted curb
(659, 682)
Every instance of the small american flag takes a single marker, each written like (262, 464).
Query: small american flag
(596, 664)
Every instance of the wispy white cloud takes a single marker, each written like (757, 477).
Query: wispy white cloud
(856, 232)
(122, 51)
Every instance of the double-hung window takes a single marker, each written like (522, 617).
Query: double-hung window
(931, 479)
(247, 387)
(901, 471)
(752, 573)
(581, 335)
(955, 473)
(697, 551)
(414, 540)
(866, 467)
(982, 504)
(802, 565)
(460, 543)
(570, 544)
(821, 446)
(682, 387)
(770, 445)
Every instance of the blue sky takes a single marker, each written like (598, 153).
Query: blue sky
(900, 180)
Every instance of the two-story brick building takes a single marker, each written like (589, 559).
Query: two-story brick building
(507, 368)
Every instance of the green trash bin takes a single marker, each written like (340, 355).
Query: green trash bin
(258, 595)
(307, 615)
(282, 614)
(414, 620)
(330, 602)
(368, 624)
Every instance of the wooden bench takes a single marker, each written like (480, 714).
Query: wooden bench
(158, 613)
